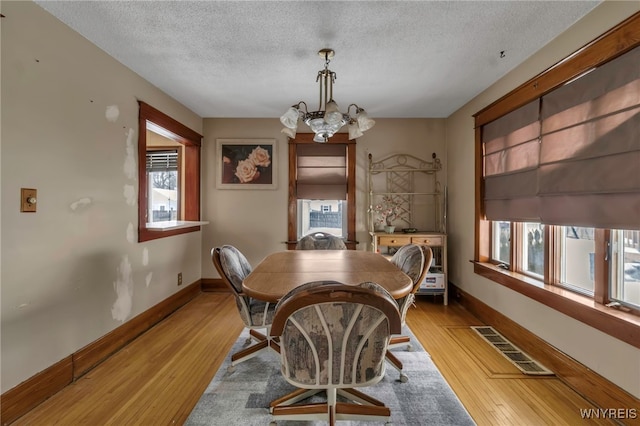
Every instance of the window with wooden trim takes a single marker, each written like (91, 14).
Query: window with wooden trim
(558, 188)
(163, 179)
(321, 188)
(168, 175)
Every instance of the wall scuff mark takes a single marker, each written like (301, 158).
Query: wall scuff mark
(130, 168)
(148, 278)
(112, 113)
(131, 233)
(130, 194)
(80, 204)
(123, 287)
(145, 256)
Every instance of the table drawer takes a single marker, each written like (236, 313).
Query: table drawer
(393, 241)
(434, 241)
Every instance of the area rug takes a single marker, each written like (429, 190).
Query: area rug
(243, 396)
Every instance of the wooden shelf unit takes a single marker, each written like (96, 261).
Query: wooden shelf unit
(436, 280)
(413, 183)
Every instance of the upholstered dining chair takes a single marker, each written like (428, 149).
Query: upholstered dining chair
(415, 261)
(321, 241)
(333, 338)
(233, 267)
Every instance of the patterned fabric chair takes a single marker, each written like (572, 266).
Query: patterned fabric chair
(233, 267)
(321, 241)
(415, 261)
(333, 338)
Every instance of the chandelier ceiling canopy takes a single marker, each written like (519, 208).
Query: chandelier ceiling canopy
(328, 119)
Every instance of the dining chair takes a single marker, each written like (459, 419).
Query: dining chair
(333, 338)
(415, 261)
(256, 314)
(321, 241)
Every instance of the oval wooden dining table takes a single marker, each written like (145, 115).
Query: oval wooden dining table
(281, 272)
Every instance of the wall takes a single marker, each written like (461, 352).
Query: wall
(74, 270)
(613, 359)
(255, 221)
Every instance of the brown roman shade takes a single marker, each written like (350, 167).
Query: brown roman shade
(321, 171)
(511, 145)
(571, 157)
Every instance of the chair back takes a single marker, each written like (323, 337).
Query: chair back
(321, 241)
(415, 261)
(233, 267)
(334, 335)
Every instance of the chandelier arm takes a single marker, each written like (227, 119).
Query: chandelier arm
(297, 106)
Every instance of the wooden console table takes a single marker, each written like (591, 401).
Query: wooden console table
(436, 279)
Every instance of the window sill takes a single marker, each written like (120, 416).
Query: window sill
(174, 224)
(612, 321)
(168, 229)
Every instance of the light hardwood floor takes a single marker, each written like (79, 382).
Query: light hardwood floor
(159, 377)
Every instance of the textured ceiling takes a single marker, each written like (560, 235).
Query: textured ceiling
(256, 58)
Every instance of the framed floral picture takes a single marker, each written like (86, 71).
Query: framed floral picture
(246, 164)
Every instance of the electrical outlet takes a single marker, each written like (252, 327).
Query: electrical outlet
(180, 278)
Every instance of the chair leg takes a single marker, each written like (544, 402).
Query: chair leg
(256, 335)
(397, 364)
(360, 407)
(397, 341)
(331, 405)
(292, 397)
(262, 342)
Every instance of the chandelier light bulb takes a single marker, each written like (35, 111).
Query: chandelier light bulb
(332, 114)
(364, 122)
(354, 130)
(289, 132)
(290, 118)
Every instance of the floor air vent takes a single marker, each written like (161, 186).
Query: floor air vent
(510, 351)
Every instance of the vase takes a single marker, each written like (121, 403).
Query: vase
(389, 229)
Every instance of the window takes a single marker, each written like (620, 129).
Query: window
(318, 216)
(556, 177)
(163, 178)
(532, 247)
(577, 254)
(169, 179)
(625, 270)
(321, 188)
(501, 242)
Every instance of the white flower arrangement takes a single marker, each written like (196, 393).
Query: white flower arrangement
(387, 211)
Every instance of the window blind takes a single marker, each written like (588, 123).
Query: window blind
(583, 166)
(511, 147)
(321, 171)
(162, 161)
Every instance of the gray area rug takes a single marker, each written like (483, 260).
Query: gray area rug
(243, 397)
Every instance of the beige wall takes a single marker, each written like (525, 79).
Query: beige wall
(74, 270)
(255, 221)
(613, 359)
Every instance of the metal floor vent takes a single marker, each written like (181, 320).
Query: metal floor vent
(510, 351)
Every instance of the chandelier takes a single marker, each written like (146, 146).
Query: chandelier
(328, 119)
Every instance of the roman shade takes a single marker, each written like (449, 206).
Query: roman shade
(321, 171)
(510, 165)
(571, 157)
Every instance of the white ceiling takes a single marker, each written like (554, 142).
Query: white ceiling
(256, 58)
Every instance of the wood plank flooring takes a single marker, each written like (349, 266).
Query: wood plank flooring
(158, 378)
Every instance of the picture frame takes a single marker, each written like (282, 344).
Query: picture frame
(246, 164)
